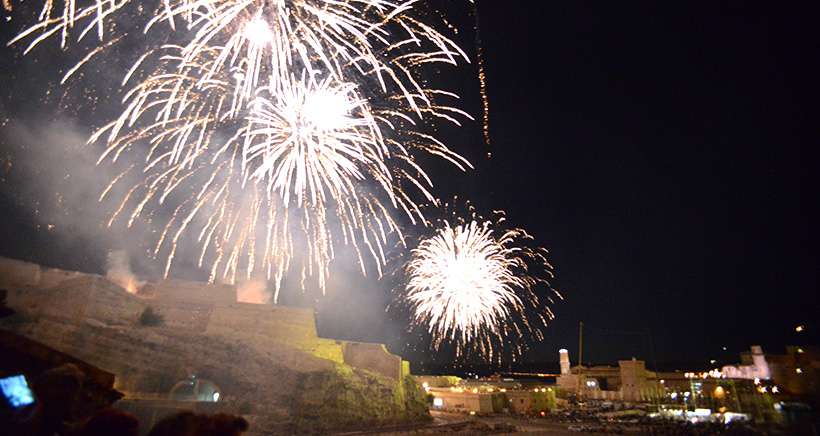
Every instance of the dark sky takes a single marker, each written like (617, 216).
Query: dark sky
(664, 153)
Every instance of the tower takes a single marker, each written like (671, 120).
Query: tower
(564, 359)
(759, 361)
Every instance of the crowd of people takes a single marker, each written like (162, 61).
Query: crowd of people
(110, 422)
(113, 422)
(61, 406)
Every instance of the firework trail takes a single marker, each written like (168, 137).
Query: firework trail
(261, 127)
(479, 285)
(482, 80)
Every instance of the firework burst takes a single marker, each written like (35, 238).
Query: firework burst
(480, 286)
(269, 128)
(314, 138)
(266, 40)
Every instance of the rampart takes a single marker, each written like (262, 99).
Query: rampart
(17, 274)
(186, 306)
(374, 357)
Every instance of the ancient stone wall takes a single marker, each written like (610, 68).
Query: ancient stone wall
(262, 324)
(190, 317)
(185, 306)
(374, 358)
(51, 277)
(267, 360)
(86, 297)
(183, 291)
(15, 274)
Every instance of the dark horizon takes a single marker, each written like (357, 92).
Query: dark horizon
(664, 153)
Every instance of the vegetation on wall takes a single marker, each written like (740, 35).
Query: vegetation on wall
(353, 398)
(150, 317)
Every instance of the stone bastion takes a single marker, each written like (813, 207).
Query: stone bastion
(267, 361)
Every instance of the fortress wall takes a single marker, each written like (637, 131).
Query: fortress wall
(374, 358)
(23, 299)
(84, 297)
(43, 303)
(110, 302)
(183, 291)
(191, 317)
(16, 274)
(145, 360)
(262, 324)
(51, 277)
(187, 307)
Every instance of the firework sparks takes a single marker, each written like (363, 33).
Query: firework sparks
(266, 40)
(290, 126)
(314, 138)
(476, 285)
(461, 282)
(261, 163)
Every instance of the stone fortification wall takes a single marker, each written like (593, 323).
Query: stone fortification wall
(15, 274)
(189, 317)
(213, 309)
(185, 306)
(374, 358)
(87, 297)
(267, 361)
(184, 291)
(51, 277)
(264, 324)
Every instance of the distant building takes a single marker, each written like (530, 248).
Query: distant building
(563, 356)
(461, 400)
(629, 381)
(797, 372)
(437, 381)
(758, 368)
(739, 388)
(490, 400)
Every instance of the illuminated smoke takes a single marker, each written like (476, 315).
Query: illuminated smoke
(118, 270)
(253, 291)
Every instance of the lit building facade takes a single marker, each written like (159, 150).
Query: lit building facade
(629, 381)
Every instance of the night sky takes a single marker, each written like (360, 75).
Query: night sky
(664, 153)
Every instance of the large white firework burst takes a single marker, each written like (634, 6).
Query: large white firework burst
(461, 282)
(269, 128)
(479, 286)
(313, 139)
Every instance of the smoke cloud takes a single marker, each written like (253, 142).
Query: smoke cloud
(253, 291)
(119, 271)
(51, 178)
